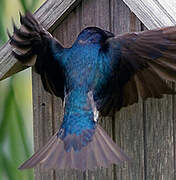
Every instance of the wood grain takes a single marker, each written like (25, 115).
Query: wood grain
(42, 123)
(128, 125)
(159, 147)
(50, 14)
(154, 13)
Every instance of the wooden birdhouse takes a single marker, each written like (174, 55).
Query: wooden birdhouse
(145, 131)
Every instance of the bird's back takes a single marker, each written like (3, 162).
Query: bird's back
(81, 66)
(72, 74)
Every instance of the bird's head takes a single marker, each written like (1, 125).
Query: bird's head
(91, 35)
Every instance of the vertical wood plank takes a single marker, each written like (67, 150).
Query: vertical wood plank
(174, 130)
(128, 125)
(159, 147)
(43, 129)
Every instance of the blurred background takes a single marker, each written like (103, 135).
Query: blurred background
(16, 131)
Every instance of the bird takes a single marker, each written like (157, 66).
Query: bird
(98, 75)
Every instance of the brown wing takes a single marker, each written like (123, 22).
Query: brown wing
(147, 60)
(35, 46)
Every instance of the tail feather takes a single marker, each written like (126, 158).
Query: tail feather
(39, 155)
(100, 152)
(111, 148)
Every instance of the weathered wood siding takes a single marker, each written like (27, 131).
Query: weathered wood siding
(145, 131)
(154, 13)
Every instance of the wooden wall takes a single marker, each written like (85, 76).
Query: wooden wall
(144, 131)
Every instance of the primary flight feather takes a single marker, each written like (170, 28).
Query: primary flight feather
(100, 73)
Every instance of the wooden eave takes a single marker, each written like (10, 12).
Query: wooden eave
(152, 13)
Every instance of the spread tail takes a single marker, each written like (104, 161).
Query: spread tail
(100, 152)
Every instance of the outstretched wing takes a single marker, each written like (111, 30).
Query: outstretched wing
(35, 46)
(141, 64)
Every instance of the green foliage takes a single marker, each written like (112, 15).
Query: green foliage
(3, 37)
(26, 6)
(15, 145)
(12, 127)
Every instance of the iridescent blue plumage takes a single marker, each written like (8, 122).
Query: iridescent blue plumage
(85, 70)
(80, 75)
(100, 73)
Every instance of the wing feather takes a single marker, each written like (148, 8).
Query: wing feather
(146, 62)
(35, 46)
